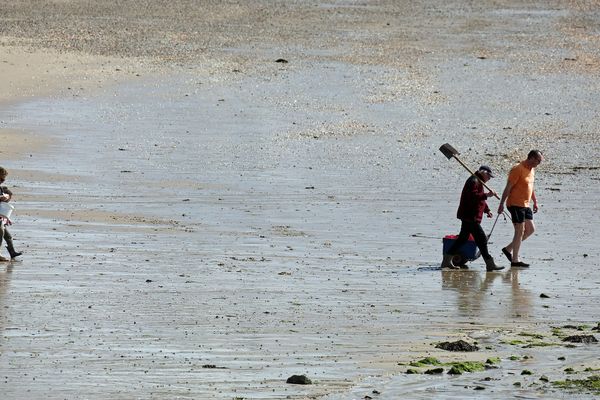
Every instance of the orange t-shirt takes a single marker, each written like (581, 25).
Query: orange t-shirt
(521, 178)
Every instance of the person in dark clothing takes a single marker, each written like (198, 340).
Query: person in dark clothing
(6, 196)
(470, 211)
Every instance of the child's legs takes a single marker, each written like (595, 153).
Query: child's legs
(7, 238)
(3, 232)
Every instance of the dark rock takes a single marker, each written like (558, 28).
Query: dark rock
(435, 371)
(281, 60)
(581, 339)
(459, 345)
(544, 296)
(298, 380)
(526, 372)
(455, 371)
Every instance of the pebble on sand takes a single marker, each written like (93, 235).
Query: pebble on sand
(299, 380)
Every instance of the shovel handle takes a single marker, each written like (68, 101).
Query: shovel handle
(482, 182)
(473, 173)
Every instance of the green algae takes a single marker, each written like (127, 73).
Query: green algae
(425, 362)
(456, 367)
(558, 332)
(591, 383)
(581, 327)
(532, 335)
(459, 368)
(540, 344)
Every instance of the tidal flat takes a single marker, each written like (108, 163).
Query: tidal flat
(212, 198)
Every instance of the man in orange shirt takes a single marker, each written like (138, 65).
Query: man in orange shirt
(518, 193)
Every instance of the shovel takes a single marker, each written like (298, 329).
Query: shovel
(451, 152)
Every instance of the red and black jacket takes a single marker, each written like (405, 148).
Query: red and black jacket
(472, 201)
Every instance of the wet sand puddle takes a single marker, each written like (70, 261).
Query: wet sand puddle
(220, 237)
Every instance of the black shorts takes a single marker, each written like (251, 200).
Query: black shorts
(520, 214)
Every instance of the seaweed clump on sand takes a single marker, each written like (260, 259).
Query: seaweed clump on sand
(581, 339)
(459, 368)
(456, 368)
(459, 345)
(591, 384)
(424, 362)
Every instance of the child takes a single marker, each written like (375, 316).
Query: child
(6, 195)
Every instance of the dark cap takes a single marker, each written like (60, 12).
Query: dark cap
(487, 169)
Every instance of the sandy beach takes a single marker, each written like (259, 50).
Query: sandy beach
(212, 197)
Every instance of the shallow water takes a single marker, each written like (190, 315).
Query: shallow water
(272, 226)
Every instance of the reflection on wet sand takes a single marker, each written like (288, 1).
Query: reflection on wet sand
(5, 275)
(521, 299)
(477, 296)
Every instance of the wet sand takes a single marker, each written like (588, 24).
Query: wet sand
(202, 221)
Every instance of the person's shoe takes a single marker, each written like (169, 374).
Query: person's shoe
(519, 264)
(507, 254)
(490, 265)
(447, 262)
(13, 253)
(4, 259)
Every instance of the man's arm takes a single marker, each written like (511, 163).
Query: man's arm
(535, 206)
(505, 194)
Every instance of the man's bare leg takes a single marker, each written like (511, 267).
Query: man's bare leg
(515, 246)
(529, 229)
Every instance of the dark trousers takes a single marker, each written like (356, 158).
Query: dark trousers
(5, 234)
(471, 228)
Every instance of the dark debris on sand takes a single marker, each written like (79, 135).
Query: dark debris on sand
(581, 339)
(459, 345)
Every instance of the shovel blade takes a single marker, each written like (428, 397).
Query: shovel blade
(448, 150)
